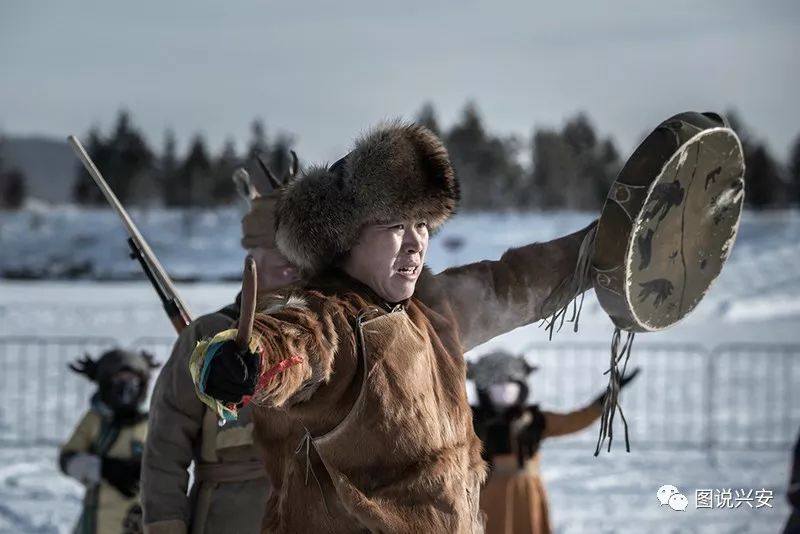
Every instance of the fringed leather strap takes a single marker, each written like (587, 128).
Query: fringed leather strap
(611, 402)
(572, 286)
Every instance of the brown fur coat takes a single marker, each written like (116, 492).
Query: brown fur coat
(381, 439)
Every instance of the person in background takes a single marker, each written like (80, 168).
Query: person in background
(105, 450)
(231, 485)
(514, 498)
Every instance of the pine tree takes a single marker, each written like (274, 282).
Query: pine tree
(130, 169)
(609, 165)
(223, 189)
(427, 117)
(794, 170)
(125, 161)
(168, 171)
(573, 168)
(466, 143)
(84, 191)
(279, 157)
(14, 190)
(763, 185)
(195, 176)
(258, 139)
(554, 169)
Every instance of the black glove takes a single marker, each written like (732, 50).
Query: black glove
(232, 373)
(622, 383)
(122, 473)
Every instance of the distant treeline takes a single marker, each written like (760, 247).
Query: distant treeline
(571, 167)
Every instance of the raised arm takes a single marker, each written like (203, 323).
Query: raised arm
(526, 284)
(560, 424)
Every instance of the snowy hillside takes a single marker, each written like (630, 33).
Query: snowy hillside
(761, 280)
(64, 242)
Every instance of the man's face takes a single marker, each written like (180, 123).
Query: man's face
(388, 258)
(274, 271)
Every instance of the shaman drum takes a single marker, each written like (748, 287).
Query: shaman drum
(669, 222)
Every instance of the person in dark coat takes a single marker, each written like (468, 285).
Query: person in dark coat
(104, 452)
(514, 497)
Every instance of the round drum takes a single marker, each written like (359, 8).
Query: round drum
(669, 222)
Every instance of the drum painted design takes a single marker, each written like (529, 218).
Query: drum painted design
(669, 223)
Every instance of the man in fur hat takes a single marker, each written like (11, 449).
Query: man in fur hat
(231, 487)
(357, 374)
(105, 450)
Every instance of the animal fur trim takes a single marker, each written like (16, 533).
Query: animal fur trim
(396, 172)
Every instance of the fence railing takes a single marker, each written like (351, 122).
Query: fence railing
(738, 396)
(40, 398)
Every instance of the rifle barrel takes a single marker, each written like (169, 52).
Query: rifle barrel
(164, 286)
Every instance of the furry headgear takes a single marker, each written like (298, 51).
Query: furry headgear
(397, 172)
(114, 361)
(123, 396)
(258, 224)
(499, 367)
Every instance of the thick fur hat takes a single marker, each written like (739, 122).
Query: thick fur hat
(498, 367)
(258, 224)
(398, 171)
(113, 361)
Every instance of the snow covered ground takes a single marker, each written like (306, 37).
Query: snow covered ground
(613, 493)
(754, 301)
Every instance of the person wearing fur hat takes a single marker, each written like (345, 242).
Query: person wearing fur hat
(357, 374)
(230, 484)
(104, 452)
(514, 498)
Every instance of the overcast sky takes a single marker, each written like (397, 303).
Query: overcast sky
(325, 71)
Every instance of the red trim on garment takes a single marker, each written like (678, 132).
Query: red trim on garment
(270, 373)
(279, 367)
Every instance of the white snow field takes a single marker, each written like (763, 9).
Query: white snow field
(716, 407)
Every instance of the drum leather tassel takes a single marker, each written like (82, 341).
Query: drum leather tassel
(572, 286)
(611, 403)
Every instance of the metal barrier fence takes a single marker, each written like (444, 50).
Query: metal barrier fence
(40, 398)
(731, 397)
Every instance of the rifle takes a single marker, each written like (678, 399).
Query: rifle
(178, 313)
